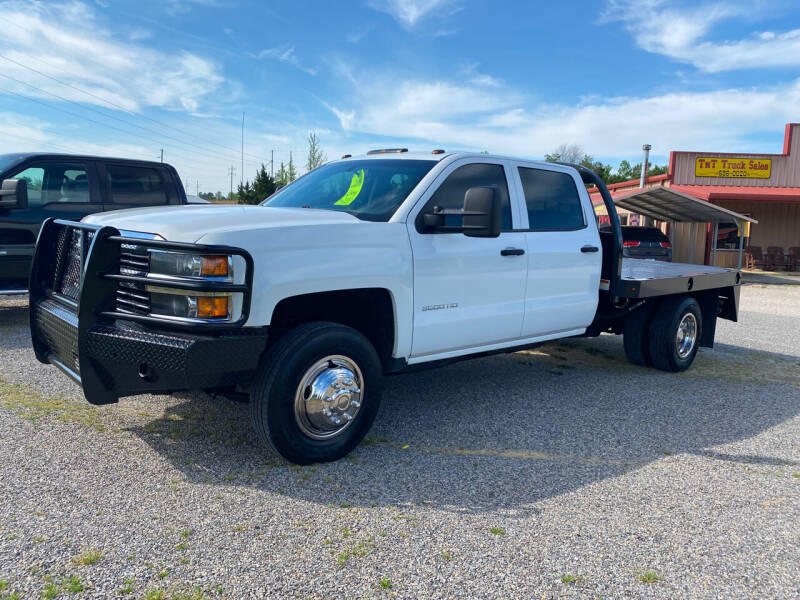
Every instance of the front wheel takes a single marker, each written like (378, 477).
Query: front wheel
(675, 333)
(317, 392)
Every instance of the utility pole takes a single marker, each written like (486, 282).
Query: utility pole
(645, 161)
(272, 163)
(242, 173)
(643, 178)
(162, 155)
(197, 186)
(231, 172)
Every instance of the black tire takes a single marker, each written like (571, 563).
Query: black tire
(272, 395)
(636, 336)
(663, 331)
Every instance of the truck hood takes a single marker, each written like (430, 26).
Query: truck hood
(190, 223)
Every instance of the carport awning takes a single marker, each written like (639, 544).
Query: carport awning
(665, 204)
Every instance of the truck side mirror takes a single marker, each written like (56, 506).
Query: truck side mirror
(482, 212)
(14, 193)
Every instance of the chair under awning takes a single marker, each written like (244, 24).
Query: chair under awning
(665, 204)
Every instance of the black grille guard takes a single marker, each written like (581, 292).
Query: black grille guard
(61, 326)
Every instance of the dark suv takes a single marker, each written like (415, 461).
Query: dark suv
(34, 187)
(646, 242)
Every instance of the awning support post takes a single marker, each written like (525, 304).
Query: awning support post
(691, 244)
(740, 231)
(714, 245)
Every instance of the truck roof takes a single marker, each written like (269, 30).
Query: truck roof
(20, 156)
(428, 155)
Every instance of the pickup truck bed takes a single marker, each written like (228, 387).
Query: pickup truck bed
(643, 278)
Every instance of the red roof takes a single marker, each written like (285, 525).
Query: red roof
(740, 192)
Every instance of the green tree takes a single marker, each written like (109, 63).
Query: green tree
(316, 156)
(572, 153)
(262, 187)
(628, 172)
(282, 176)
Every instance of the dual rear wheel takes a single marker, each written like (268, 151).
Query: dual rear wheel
(666, 336)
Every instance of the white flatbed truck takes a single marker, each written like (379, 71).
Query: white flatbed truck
(364, 267)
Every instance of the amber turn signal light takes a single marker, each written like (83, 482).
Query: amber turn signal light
(214, 266)
(212, 306)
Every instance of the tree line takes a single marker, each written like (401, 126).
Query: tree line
(624, 172)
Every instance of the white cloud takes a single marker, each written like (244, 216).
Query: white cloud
(410, 12)
(21, 133)
(66, 41)
(465, 115)
(678, 32)
(287, 55)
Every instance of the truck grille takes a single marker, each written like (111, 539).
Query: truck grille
(72, 246)
(133, 298)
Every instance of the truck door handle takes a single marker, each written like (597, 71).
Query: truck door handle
(512, 252)
(589, 249)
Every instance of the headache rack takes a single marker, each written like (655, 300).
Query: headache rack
(89, 283)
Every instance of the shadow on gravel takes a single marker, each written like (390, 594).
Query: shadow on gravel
(14, 322)
(490, 434)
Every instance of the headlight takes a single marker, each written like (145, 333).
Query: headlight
(181, 264)
(188, 304)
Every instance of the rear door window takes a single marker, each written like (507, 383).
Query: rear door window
(132, 185)
(552, 200)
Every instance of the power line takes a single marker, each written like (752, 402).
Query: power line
(115, 105)
(89, 108)
(28, 98)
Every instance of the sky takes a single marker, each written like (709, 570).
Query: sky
(120, 78)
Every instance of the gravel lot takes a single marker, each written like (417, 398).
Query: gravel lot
(559, 473)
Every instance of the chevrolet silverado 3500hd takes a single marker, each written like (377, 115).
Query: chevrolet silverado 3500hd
(364, 267)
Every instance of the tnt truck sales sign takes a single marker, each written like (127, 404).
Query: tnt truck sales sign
(750, 168)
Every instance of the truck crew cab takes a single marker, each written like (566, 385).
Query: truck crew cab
(35, 187)
(364, 267)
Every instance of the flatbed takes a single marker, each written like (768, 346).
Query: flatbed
(645, 278)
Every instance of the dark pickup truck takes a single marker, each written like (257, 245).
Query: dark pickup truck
(35, 187)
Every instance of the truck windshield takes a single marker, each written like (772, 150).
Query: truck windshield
(371, 190)
(9, 160)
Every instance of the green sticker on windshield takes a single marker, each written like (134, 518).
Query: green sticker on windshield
(354, 190)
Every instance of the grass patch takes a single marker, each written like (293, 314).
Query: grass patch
(50, 591)
(497, 530)
(127, 588)
(649, 577)
(386, 583)
(568, 578)
(73, 584)
(87, 557)
(28, 405)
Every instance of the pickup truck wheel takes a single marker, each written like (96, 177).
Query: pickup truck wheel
(317, 392)
(675, 333)
(636, 336)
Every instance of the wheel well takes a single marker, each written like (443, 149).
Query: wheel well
(369, 311)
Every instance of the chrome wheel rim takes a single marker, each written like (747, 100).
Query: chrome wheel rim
(328, 397)
(686, 335)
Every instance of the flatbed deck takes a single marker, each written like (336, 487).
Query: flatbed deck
(645, 278)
